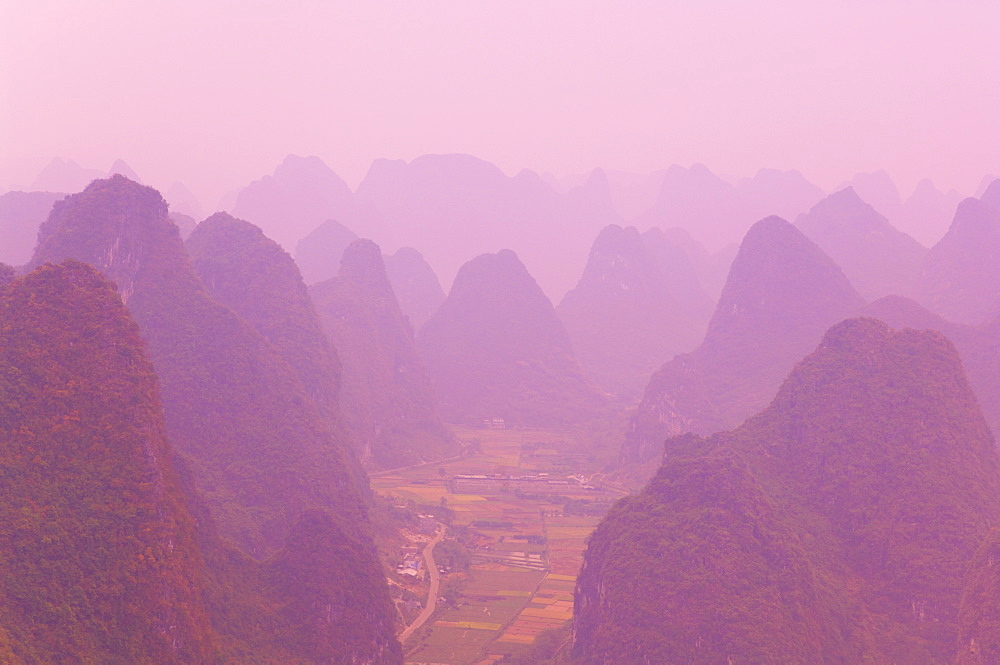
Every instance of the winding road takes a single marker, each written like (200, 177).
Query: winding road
(432, 595)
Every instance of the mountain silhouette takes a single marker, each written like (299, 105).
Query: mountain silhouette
(782, 293)
(496, 349)
(318, 254)
(960, 278)
(878, 259)
(624, 317)
(415, 284)
(386, 396)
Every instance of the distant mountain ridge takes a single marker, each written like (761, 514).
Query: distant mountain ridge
(318, 254)
(496, 349)
(301, 194)
(781, 294)
(878, 259)
(21, 213)
(415, 284)
(626, 316)
(960, 279)
(717, 212)
(387, 397)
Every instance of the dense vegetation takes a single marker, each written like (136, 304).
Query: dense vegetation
(249, 273)
(834, 527)
(978, 345)
(108, 553)
(782, 293)
(386, 397)
(99, 562)
(496, 349)
(979, 617)
(260, 452)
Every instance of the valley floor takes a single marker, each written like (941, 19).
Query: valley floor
(522, 535)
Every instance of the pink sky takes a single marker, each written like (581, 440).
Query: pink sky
(214, 93)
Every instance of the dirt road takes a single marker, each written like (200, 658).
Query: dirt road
(432, 595)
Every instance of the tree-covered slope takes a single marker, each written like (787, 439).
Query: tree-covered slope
(260, 452)
(99, 555)
(250, 273)
(978, 345)
(496, 349)
(386, 397)
(978, 640)
(834, 527)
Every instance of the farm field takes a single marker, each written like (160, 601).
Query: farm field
(525, 547)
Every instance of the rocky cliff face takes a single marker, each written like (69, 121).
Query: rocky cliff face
(979, 617)
(835, 526)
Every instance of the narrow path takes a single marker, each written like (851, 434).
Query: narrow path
(432, 595)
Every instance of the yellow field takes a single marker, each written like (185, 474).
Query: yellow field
(464, 498)
(475, 625)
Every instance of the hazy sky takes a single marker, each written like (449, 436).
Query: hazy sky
(214, 93)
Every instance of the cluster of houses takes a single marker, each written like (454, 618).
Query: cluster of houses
(411, 566)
